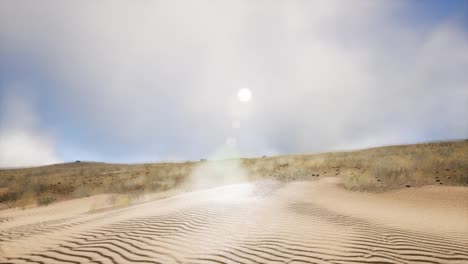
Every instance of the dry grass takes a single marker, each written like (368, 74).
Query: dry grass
(43, 185)
(376, 169)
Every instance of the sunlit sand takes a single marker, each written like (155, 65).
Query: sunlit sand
(258, 222)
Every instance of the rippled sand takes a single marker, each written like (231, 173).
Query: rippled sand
(262, 222)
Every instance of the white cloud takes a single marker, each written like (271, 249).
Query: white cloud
(22, 142)
(20, 148)
(324, 74)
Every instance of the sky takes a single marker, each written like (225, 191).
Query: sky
(149, 81)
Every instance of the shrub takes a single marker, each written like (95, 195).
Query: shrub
(10, 198)
(46, 200)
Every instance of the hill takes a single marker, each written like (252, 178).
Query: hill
(373, 170)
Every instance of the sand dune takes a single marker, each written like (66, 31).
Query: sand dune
(262, 222)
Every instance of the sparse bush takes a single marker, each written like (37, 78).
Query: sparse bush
(81, 191)
(374, 169)
(46, 200)
(9, 198)
(122, 200)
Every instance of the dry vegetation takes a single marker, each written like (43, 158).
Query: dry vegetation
(376, 169)
(44, 185)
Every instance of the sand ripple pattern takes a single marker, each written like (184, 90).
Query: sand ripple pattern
(256, 229)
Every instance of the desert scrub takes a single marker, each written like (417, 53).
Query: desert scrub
(123, 200)
(45, 201)
(10, 198)
(360, 183)
(375, 169)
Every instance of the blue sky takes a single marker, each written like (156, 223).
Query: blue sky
(156, 81)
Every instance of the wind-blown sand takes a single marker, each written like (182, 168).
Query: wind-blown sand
(263, 222)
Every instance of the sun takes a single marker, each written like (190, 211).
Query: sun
(244, 95)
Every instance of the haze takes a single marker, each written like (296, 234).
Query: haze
(142, 81)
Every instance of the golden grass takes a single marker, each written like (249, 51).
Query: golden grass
(376, 169)
(43, 185)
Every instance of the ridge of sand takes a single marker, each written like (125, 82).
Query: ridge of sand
(262, 222)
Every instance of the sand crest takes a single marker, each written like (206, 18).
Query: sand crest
(264, 222)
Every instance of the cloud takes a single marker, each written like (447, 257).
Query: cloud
(22, 142)
(158, 77)
(19, 148)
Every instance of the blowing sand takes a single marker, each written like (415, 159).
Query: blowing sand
(262, 222)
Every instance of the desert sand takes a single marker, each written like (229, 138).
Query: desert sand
(260, 222)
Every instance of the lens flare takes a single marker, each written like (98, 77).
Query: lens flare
(224, 167)
(244, 95)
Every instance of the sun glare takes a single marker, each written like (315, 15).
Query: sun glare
(244, 95)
